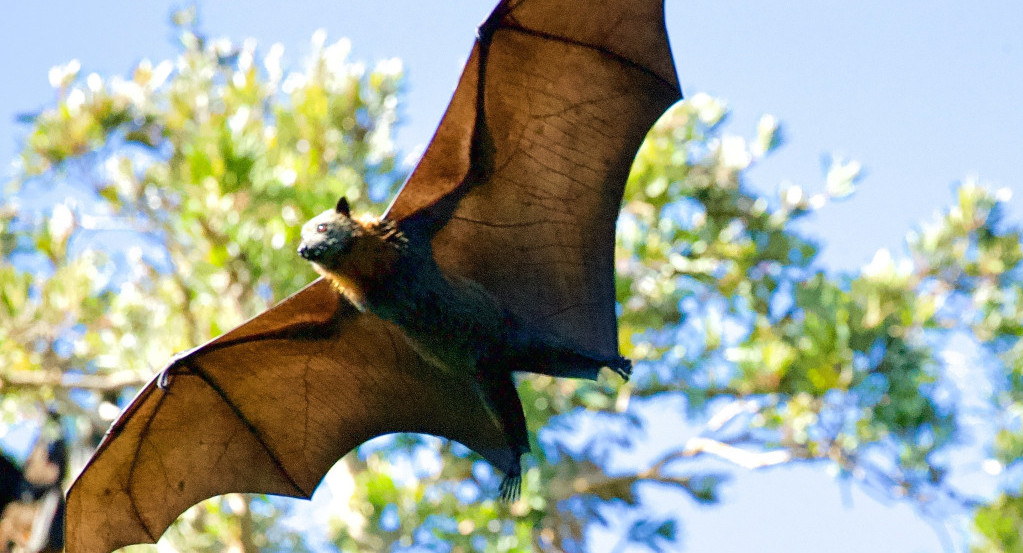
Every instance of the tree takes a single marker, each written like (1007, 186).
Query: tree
(185, 188)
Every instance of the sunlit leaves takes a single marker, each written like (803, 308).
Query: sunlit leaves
(1000, 525)
(842, 176)
(849, 362)
(187, 182)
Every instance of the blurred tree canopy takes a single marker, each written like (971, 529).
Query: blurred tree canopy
(152, 212)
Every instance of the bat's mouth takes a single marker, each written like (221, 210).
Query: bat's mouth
(310, 253)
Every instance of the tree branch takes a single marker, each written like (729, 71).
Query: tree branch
(44, 379)
(742, 457)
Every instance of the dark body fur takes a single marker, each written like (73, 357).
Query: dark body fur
(452, 322)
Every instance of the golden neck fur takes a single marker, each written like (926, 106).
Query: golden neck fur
(376, 247)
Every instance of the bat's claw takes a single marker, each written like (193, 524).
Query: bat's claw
(622, 366)
(163, 381)
(511, 487)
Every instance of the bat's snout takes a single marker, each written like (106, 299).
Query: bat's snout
(308, 253)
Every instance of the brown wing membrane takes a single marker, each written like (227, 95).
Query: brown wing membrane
(522, 183)
(267, 408)
(534, 151)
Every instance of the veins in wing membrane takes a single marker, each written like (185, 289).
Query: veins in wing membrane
(510, 24)
(130, 487)
(253, 430)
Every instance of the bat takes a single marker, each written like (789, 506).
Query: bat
(496, 256)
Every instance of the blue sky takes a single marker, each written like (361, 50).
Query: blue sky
(924, 94)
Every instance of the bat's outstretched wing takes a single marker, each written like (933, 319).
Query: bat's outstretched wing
(267, 408)
(522, 184)
(525, 175)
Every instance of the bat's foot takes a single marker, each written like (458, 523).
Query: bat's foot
(622, 366)
(511, 487)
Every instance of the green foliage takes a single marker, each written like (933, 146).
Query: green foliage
(1001, 526)
(187, 185)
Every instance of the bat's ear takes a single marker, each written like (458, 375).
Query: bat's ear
(342, 207)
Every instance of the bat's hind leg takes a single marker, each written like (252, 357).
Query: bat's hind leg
(499, 389)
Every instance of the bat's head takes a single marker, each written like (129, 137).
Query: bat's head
(329, 236)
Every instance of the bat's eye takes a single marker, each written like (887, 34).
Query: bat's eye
(322, 227)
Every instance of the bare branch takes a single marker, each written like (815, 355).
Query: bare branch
(46, 379)
(729, 413)
(742, 457)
